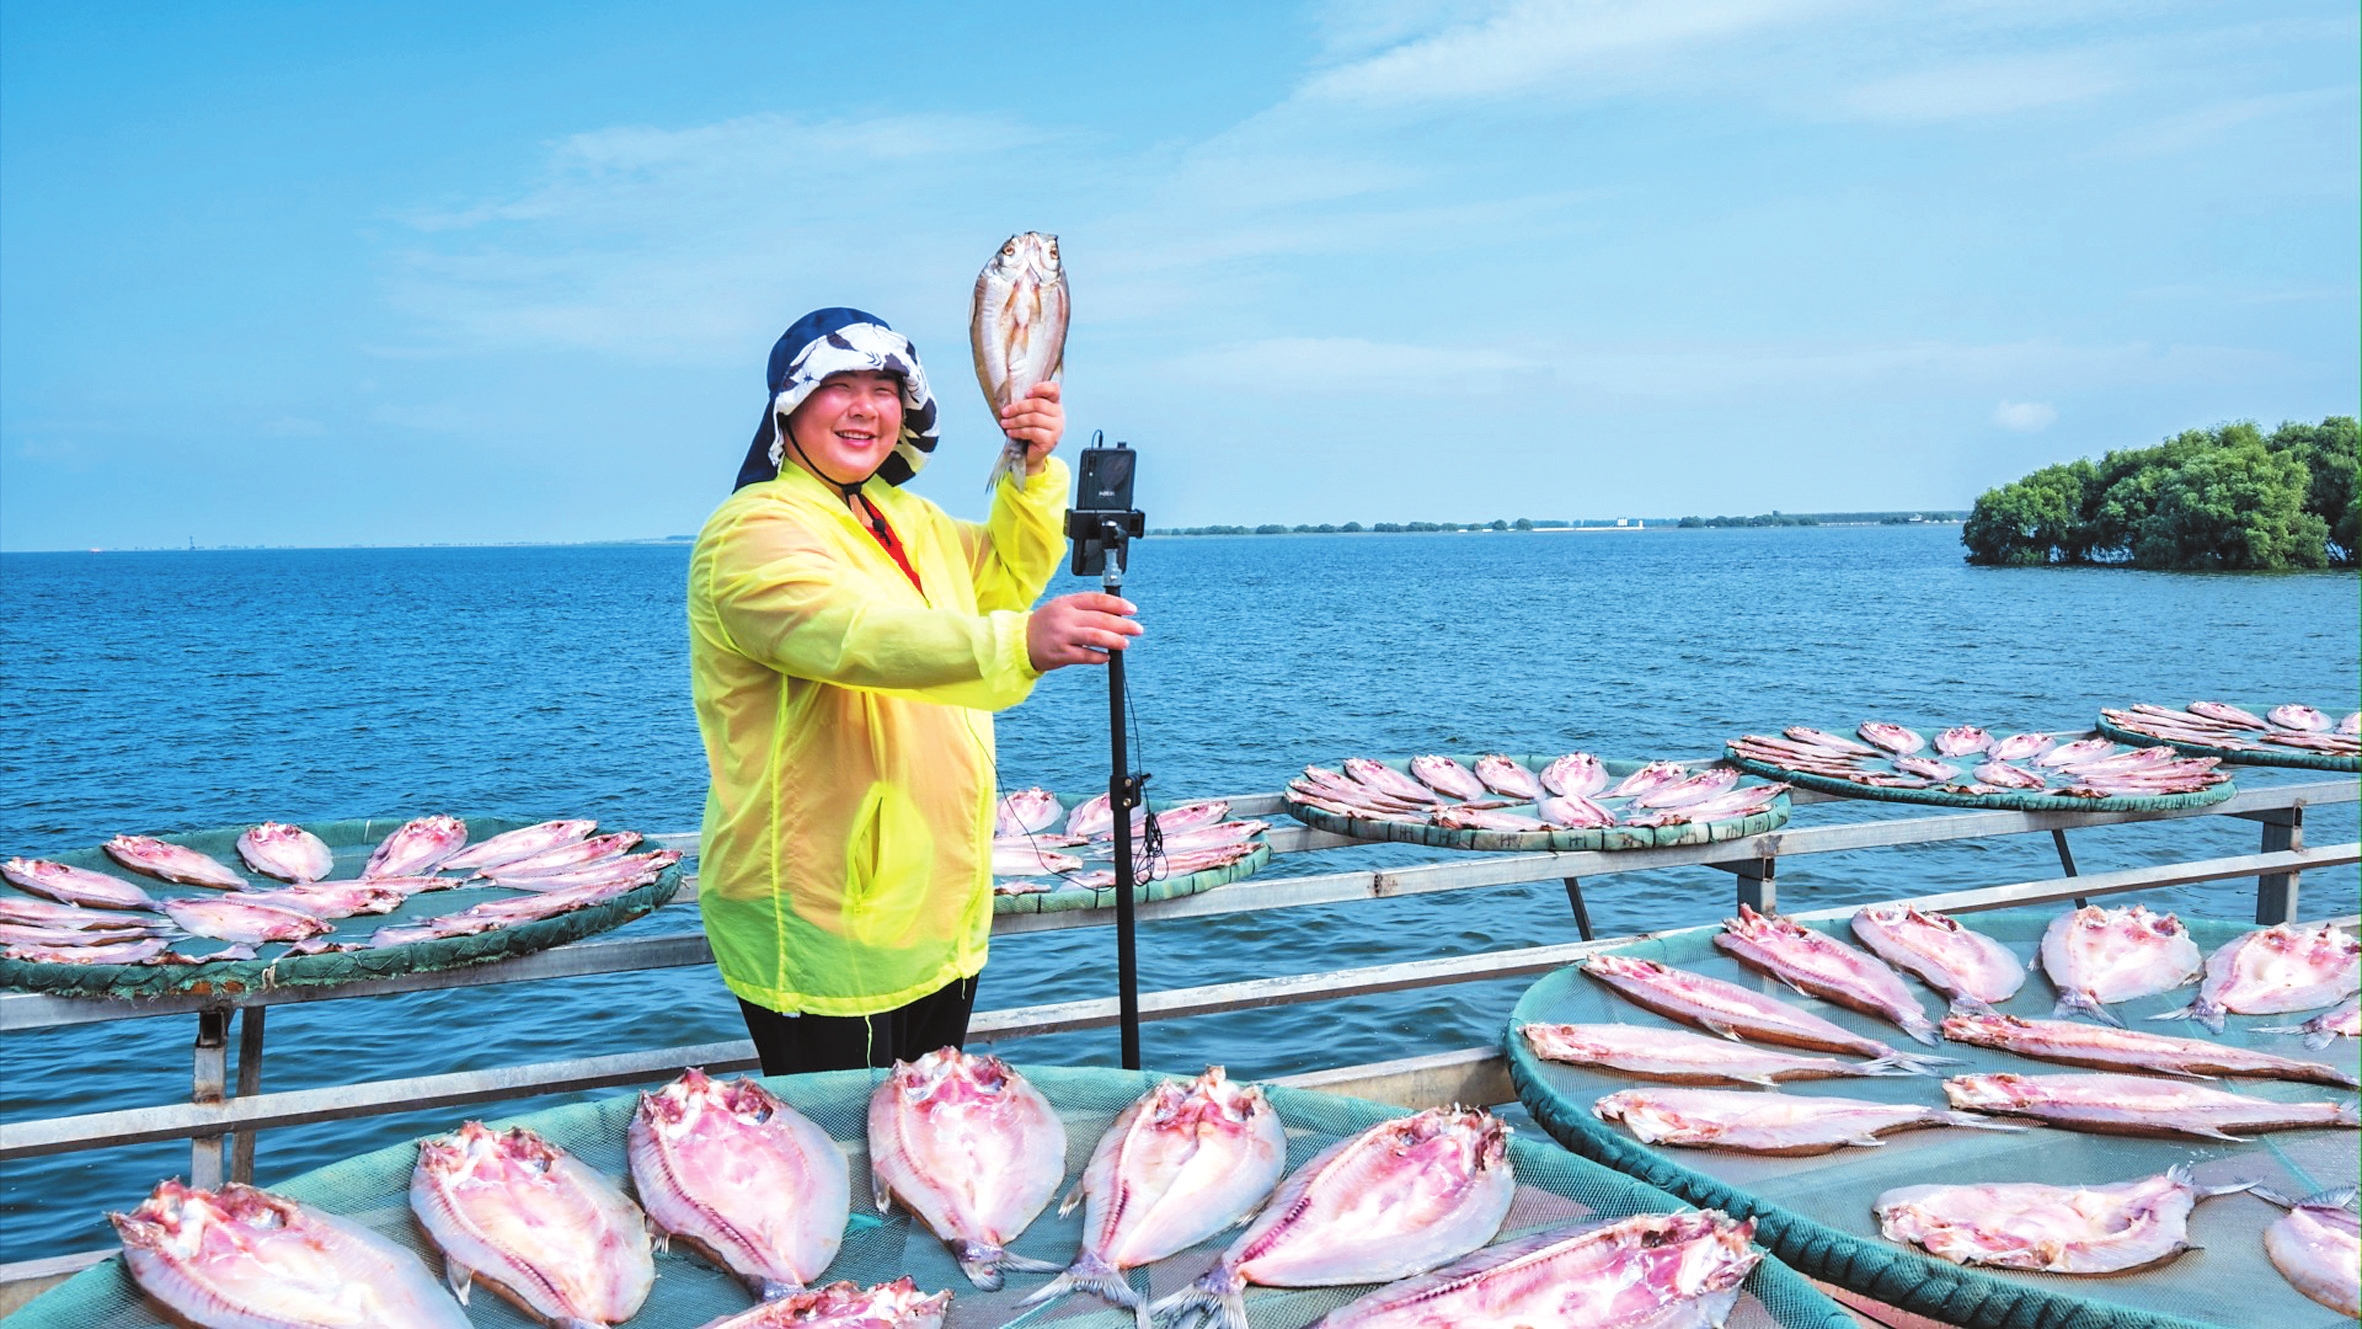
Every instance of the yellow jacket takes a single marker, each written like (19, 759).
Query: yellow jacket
(846, 864)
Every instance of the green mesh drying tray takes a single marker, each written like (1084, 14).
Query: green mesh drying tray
(1815, 1213)
(1554, 1187)
(352, 842)
(2262, 754)
(2013, 800)
(1560, 840)
(1063, 895)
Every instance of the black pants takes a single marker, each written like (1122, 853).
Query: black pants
(794, 1044)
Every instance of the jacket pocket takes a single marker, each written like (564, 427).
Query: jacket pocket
(889, 874)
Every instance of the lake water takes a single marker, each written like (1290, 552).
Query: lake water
(175, 691)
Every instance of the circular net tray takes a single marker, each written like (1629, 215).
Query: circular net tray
(2014, 800)
(1815, 1213)
(1063, 894)
(352, 842)
(2126, 727)
(1554, 1188)
(1561, 839)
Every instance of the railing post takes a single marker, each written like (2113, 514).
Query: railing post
(1574, 897)
(1756, 890)
(2066, 859)
(2275, 892)
(209, 1078)
(249, 1084)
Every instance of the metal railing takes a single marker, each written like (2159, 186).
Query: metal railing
(221, 1119)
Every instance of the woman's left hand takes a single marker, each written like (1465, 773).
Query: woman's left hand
(1039, 421)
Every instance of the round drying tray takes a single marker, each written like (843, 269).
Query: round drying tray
(1554, 1188)
(352, 841)
(1561, 839)
(2013, 800)
(1815, 1213)
(2262, 754)
(1065, 895)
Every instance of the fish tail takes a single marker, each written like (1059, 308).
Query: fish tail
(2199, 1009)
(1921, 1028)
(1901, 1063)
(772, 1289)
(1919, 1063)
(1964, 1004)
(2348, 1114)
(982, 1264)
(2082, 1003)
(1097, 1277)
(1215, 1294)
(2320, 1038)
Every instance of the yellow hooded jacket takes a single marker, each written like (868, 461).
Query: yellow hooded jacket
(846, 863)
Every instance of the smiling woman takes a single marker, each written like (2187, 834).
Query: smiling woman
(848, 643)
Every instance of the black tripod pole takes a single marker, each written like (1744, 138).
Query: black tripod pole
(1123, 794)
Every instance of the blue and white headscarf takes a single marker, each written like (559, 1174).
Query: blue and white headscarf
(838, 341)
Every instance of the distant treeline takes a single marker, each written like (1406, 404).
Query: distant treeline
(1538, 524)
(2230, 498)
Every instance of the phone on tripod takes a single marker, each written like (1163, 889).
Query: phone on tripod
(1103, 519)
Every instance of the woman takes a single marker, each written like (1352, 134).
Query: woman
(847, 643)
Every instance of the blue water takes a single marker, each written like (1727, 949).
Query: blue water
(177, 691)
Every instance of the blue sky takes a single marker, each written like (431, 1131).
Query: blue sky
(304, 274)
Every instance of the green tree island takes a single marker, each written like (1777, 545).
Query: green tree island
(2230, 498)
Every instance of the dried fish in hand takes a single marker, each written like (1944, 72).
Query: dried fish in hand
(2056, 1229)
(1017, 331)
(2275, 970)
(1684, 1058)
(725, 1167)
(973, 1150)
(241, 1257)
(1649, 1271)
(1398, 1199)
(2109, 1048)
(1752, 1122)
(2317, 1247)
(1183, 1162)
(289, 853)
(535, 1224)
(2097, 956)
(2138, 1105)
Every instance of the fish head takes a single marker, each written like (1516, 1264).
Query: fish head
(949, 1076)
(1027, 255)
(1622, 966)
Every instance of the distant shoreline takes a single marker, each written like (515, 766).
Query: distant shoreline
(1635, 526)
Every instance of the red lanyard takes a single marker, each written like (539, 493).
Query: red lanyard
(890, 542)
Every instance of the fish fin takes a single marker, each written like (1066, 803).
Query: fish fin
(1723, 1029)
(880, 1190)
(2210, 1016)
(2079, 1003)
(1097, 1278)
(457, 1276)
(1918, 1063)
(1052, 1290)
(2349, 1114)
(1073, 1198)
(981, 1263)
(2340, 1198)
(772, 1289)
(2320, 1038)
(1027, 1265)
(1964, 1004)
(1923, 1030)
(1866, 1141)
(1977, 1123)
(2210, 1133)
(1215, 1295)
(1901, 1063)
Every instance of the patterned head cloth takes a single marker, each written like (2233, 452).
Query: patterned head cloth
(837, 341)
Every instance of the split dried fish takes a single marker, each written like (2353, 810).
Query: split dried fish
(973, 1150)
(1753, 1122)
(2097, 956)
(1819, 965)
(1684, 1058)
(2138, 1105)
(2273, 971)
(1965, 965)
(2129, 1050)
(289, 853)
(172, 862)
(1725, 1008)
(2317, 1247)
(535, 1224)
(2055, 1229)
(76, 886)
(417, 846)
(727, 1168)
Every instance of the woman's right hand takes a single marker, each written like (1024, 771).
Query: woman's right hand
(1078, 629)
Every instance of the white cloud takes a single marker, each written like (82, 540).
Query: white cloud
(1576, 46)
(1988, 87)
(2208, 125)
(2025, 417)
